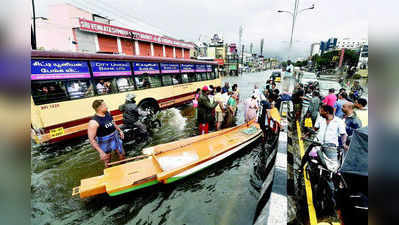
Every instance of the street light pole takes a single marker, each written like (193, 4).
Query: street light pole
(294, 15)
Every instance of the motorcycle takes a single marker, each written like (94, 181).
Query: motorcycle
(135, 134)
(320, 176)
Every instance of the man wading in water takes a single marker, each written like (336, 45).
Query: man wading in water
(102, 133)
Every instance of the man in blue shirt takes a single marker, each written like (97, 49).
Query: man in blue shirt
(338, 104)
(351, 120)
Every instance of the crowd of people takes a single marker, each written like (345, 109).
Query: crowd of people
(334, 118)
(216, 107)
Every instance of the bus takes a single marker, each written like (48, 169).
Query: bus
(64, 85)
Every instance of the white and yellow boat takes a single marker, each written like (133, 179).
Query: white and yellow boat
(169, 162)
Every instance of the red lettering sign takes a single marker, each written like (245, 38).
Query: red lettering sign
(96, 27)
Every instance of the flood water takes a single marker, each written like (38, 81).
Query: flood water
(225, 193)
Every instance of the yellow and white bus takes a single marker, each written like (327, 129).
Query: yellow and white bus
(64, 85)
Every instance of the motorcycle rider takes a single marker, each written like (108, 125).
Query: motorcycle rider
(131, 113)
(329, 128)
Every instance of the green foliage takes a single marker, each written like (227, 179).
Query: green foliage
(330, 60)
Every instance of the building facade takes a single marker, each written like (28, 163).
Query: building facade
(350, 43)
(69, 28)
(314, 49)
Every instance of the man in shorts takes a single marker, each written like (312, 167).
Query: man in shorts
(104, 135)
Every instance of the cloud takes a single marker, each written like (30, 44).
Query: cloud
(189, 19)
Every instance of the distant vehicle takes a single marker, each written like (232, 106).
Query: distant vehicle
(325, 85)
(308, 77)
(276, 76)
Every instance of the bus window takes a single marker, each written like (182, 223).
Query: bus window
(79, 89)
(198, 75)
(203, 75)
(192, 77)
(148, 81)
(105, 86)
(184, 78)
(44, 92)
(125, 84)
(176, 79)
(167, 79)
(210, 75)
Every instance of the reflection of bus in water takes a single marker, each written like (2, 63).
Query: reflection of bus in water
(64, 86)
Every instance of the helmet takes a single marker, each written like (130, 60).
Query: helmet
(130, 97)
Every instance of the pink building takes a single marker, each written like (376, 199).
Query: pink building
(69, 28)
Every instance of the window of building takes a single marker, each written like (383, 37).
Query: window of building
(148, 81)
(105, 86)
(125, 84)
(192, 77)
(79, 88)
(44, 92)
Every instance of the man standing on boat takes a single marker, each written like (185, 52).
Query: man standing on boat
(104, 135)
(205, 108)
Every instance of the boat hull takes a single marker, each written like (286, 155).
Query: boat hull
(212, 161)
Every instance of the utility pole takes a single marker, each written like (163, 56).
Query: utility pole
(261, 46)
(33, 32)
(242, 56)
(294, 14)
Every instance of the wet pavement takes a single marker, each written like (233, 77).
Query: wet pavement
(225, 193)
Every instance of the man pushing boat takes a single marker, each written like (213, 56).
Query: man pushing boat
(104, 135)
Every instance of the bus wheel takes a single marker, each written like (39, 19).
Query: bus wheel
(150, 105)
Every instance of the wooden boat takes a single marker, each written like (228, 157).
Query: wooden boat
(169, 162)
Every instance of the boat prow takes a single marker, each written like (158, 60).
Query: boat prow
(169, 162)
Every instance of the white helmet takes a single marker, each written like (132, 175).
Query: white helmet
(130, 97)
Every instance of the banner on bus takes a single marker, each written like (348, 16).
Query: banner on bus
(109, 68)
(45, 69)
(187, 68)
(170, 68)
(145, 67)
(208, 68)
(200, 68)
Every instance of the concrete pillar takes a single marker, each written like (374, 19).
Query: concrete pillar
(152, 49)
(136, 46)
(163, 50)
(174, 52)
(182, 52)
(118, 41)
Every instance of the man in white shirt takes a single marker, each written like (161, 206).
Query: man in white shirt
(329, 129)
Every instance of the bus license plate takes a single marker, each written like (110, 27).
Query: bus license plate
(57, 132)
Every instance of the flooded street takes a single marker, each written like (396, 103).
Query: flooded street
(225, 193)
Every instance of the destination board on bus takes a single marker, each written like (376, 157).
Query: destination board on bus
(109, 68)
(170, 68)
(200, 68)
(46, 69)
(145, 67)
(208, 68)
(187, 68)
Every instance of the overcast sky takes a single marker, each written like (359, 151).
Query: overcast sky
(189, 19)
